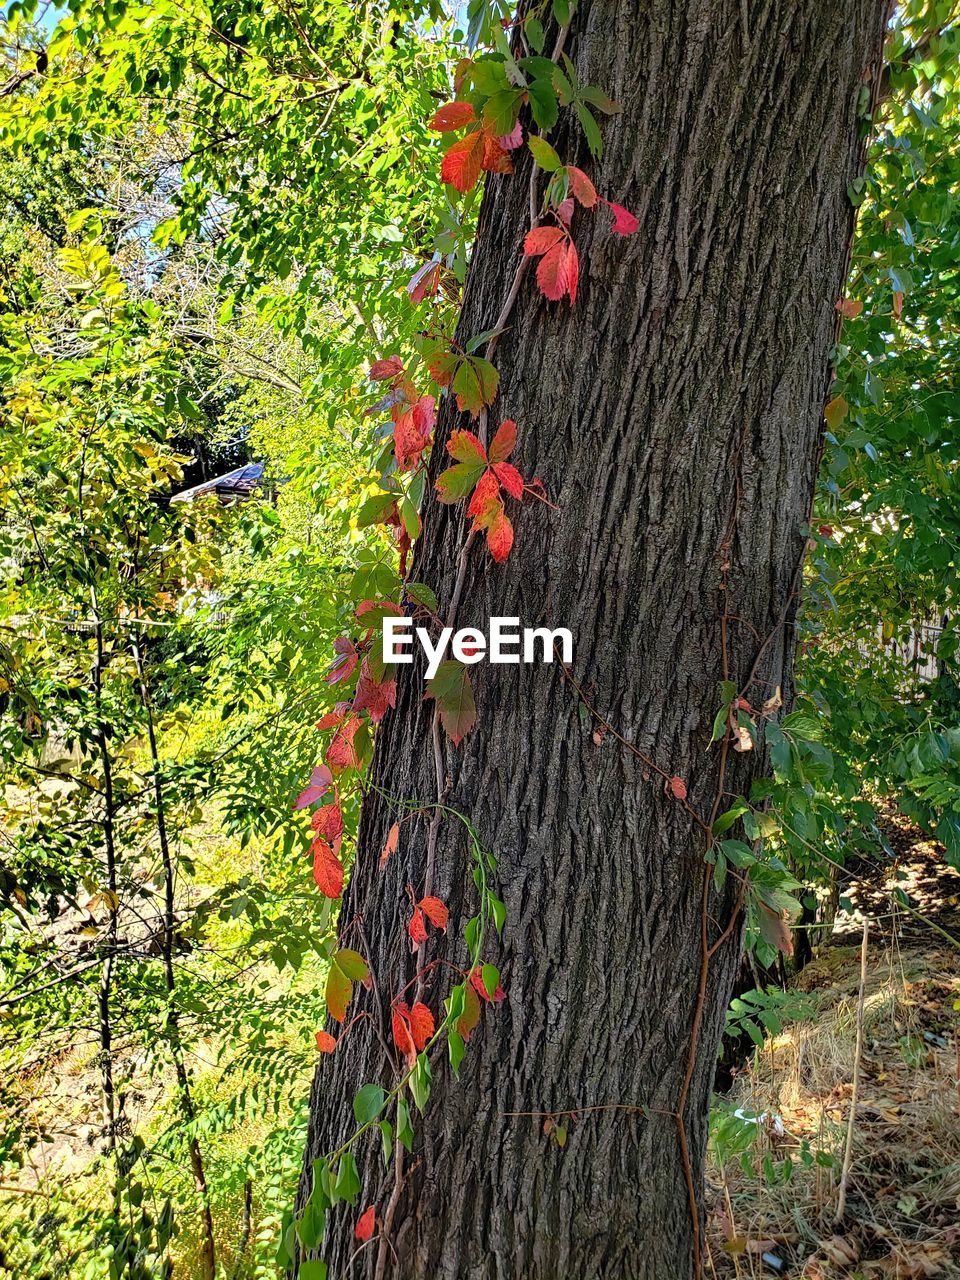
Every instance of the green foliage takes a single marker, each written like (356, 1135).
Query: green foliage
(210, 219)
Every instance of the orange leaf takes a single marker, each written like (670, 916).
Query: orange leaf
(453, 115)
(327, 869)
(402, 1034)
(582, 187)
(327, 821)
(326, 1043)
(463, 162)
(417, 929)
(540, 240)
(393, 839)
(471, 1012)
(849, 308)
(436, 912)
(476, 977)
(504, 441)
(486, 492)
(365, 1224)
(679, 788)
(421, 1024)
(333, 719)
(500, 537)
(496, 158)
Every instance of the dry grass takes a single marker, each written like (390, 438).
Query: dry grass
(903, 1211)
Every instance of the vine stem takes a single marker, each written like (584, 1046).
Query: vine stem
(433, 832)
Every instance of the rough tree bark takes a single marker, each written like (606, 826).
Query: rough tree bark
(674, 416)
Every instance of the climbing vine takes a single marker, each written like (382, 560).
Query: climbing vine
(507, 96)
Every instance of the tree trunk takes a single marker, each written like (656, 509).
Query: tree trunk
(674, 416)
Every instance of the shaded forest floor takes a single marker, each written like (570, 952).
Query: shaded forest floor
(774, 1211)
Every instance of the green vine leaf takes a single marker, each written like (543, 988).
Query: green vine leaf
(454, 694)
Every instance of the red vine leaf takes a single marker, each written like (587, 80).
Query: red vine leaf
(321, 780)
(471, 1012)
(463, 162)
(503, 442)
(412, 1028)
(424, 282)
(453, 115)
(408, 442)
(332, 719)
(365, 1224)
(390, 846)
(624, 223)
(541, 239)
(326, 1043)
(558, 271)
(380, 370)
(402, 1035)
(500, 536)
(417, 929)
(510, 478)
(476, 977)
(327, 869)
(342, 754)
(581, 186)
(454, 694)
(679, 788)
(510, 141)
(327, 821)
(416, 434)
(436, 912)
(345, 664)
(373, 696)
(496, 159)
(472, 472)
(571, 270)
(486, 492)
(421, 1025)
